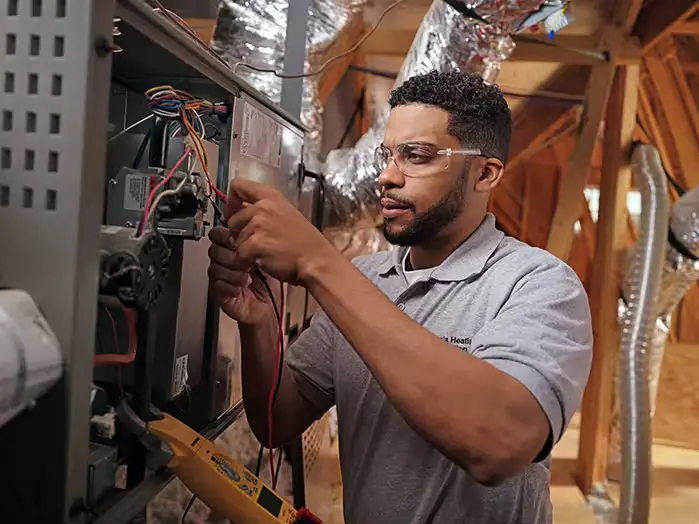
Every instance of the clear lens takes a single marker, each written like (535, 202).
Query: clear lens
(412, 159)
(420, 159)
(382, 157)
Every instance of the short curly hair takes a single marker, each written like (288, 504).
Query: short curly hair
(479, 115)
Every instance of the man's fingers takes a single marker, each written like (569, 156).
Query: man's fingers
(227, 258)
(234, 278)
(221, 235)
(241, 239)
(244, 191)
(240, 219)
(223, 292)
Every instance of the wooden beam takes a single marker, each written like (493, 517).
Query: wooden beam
(566, 49)
(684, 135)
(686, 28)
(570, 206)
(606, 278)
(626, 14)
(660, 18)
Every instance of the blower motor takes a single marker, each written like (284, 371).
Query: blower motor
(133, 269)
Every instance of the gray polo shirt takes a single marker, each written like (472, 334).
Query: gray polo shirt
(517, 307)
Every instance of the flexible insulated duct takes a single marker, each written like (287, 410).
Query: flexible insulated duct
(637, 315)
(680, 271)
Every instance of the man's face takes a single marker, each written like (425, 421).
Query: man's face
(422, 192)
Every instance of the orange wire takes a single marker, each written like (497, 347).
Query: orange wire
(106, 359)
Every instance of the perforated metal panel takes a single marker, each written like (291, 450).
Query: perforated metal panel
(54, 89)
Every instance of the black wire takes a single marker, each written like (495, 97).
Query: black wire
(189, 506)
(259, 461)
(142, 149)
(279, 465)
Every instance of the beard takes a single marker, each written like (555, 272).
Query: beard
(427, 225)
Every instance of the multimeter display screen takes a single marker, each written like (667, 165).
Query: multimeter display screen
(270, 501)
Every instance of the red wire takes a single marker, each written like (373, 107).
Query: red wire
(161, 184)
(120, 358)
(270, 406)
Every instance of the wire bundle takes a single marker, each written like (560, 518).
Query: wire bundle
(186, 111)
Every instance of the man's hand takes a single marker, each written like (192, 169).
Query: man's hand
(271, 234)
(240, 294)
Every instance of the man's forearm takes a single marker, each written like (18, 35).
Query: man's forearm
(464, 406)
(292, 413)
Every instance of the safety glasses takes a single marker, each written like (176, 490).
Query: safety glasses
(418, 159)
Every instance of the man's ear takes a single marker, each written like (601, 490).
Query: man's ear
(490, 174)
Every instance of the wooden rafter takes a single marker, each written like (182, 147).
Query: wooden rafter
(668, 52)
(686, 28)
(542, 132)
(684, 134)
(661, 18)
(605, 282)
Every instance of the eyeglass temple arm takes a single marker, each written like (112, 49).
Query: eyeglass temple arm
(467, 152)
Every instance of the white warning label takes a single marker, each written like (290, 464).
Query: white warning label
(261, 137)
(180, 376)
(136, 192)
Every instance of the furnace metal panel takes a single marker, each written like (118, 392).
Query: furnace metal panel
(265, 148)
(54, 81)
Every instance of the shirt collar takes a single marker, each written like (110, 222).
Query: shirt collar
(465, 261)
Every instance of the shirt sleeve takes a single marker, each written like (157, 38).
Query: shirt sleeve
(542, 337)
(311, 359)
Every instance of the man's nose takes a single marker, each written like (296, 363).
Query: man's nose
(391, 176)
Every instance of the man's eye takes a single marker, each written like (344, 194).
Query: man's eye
(416, 158)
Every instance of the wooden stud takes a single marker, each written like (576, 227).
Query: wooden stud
(606, 277)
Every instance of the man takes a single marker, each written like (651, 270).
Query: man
(455, 361)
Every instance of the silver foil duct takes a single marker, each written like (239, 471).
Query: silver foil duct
(254, 31)
(638, 314)
(445, 41)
